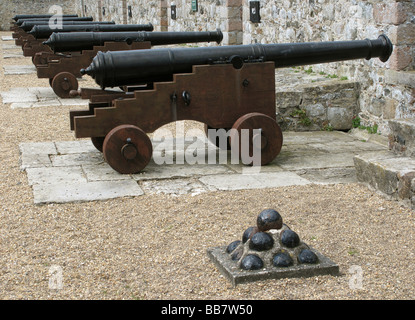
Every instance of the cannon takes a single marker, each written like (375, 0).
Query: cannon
(28, 25)
(224, 87)
(34, 16)
(63, 72)
(22, 26)
(37, 16)
(34, 20)
(31, 45)
(44, 32)
(77, 41)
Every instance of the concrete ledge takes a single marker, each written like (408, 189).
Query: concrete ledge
(390, 174)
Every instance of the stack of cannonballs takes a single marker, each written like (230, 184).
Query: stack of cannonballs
(271, 244)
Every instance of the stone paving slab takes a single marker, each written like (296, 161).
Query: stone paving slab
(76, 191)
(12, 47)
(12, 55)
(68, 171)
(7, 38)
(36, 97)
(19, 69)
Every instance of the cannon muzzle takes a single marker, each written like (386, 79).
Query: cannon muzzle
(112, 69)
(78, 41)
(45, 31)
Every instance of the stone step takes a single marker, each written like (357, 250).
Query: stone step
(401, 138)
(388, 173)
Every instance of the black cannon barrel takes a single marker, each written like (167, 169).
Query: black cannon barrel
(21, 21)
(111, 69)
(77, 41)
(28, 25)
(44, 32)
(35, 16)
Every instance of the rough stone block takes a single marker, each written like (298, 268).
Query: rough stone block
(340, 118)
(391, 13)
(403, 34)
(406, 78)
(390, 174)
(401, 138)
(401, 58)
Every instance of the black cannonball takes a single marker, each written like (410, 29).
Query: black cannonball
(251, 262)
(248, 233)
(307, 256)
(232, 246)
(261, 241)
(289, 238)
(282, 259)
(269, 219)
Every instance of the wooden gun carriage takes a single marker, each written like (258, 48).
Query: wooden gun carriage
(31, 44)
(41, 52)
(224, 87)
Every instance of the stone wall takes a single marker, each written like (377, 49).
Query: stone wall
(9, 8)
(209, 15)
(387, 89)
(122, 11)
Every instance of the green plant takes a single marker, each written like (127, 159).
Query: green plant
(328, 127)
(309, 70)
(302, 115)
(332, 76)
(373, 129)
(356, 122)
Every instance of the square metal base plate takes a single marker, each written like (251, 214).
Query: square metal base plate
(235, 275)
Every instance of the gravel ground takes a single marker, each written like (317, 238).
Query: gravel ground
(154, 247)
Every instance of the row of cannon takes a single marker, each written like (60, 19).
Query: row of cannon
(230, 87)
(60, 53)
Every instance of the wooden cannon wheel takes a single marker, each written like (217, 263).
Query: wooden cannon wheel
(63, 83)
(127, 149)
(268, 141)
(217, 140)
(98, 142)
